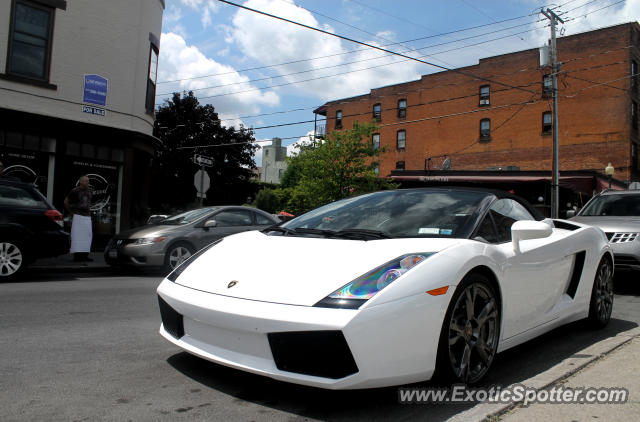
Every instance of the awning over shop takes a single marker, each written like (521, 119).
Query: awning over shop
(578, 181)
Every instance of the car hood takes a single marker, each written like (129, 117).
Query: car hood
(293, 270)
(147, 231)
(611, 224)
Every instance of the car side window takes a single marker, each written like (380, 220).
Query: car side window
(261, 220)
(232, 218)
(486, 230)
(505, 212)
(19, 197)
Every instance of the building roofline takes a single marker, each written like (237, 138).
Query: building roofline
(480, 61)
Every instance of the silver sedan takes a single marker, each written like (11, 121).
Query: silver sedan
(171, 241)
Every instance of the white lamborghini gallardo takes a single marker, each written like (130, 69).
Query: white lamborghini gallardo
(388, 288)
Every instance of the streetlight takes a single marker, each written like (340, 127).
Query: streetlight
(609, 172)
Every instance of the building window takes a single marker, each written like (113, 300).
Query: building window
(280, 173)
(399, 165)
(546, 123)
(401, 140)
(339, 119)
(635, 160)
(547, 85)
(634, 74)
(634, 115)
(376, 140)
(150, 102)
(402, 109)
(266, 152)
(484, 95)
(485, 129)
(29, 53)
(376, 170)
(377, 112)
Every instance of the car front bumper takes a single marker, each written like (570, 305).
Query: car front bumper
(389, 344)
(125, 252)
(626, 255)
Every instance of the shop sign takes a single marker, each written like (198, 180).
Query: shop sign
(95, 90)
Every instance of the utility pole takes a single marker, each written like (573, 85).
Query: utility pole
(555, 178)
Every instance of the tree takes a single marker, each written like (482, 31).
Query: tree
(341, 165)
(186, 128)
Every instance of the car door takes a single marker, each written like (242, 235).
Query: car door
(534, 280)
(228, 222)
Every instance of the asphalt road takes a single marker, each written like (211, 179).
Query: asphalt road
(86, 347)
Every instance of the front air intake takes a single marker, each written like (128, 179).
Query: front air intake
(319, 353)
(171, 320)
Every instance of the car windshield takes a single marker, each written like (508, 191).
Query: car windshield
(626, 205)
(398, 213)
(186, 217)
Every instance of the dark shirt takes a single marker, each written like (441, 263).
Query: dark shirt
(80, 201)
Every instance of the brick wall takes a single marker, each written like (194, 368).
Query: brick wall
(443, 112)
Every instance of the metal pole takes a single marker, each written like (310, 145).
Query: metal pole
(555, 178)
(201, 183)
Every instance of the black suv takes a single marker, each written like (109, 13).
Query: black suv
(30, 228)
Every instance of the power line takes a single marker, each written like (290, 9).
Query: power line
(364, 60)
(453, 84)
(360, 49)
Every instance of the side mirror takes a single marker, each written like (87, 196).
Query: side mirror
(571, 213)
(210, 223)
(528, 229)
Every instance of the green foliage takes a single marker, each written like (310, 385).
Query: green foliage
(182, 122)
(267, 201)
(326, 170)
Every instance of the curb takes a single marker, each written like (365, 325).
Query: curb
(554, 375)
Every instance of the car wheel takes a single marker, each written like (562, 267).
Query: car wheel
(12, 259)
(601, 304)
(470, 332)
(177, 254)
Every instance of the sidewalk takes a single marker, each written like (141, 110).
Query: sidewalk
(66, 263)
(618, 369)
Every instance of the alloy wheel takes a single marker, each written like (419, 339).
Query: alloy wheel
(11, 259)
(178, 255)
(604, 292)
(473, 333)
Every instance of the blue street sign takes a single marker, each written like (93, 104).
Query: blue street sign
(95, 90)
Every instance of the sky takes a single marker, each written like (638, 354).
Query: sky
(261, 72)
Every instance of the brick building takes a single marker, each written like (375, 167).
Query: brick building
(504, 119)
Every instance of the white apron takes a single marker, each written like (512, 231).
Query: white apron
(81, 234)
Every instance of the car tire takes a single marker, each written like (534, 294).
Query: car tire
(13, 259)
(601, 303)
(469, 341)
(177, 254)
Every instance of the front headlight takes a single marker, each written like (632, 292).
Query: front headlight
(363, 288)
(173, 276)
(149, 240)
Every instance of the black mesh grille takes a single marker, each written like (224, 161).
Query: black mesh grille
(171, 320)
(318, 353)
(609, 235)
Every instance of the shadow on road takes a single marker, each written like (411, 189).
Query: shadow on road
(512, 366)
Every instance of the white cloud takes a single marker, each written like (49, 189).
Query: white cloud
(292, 149)
(206, 7)
(181, 61)
(589, 18)
(272, 41)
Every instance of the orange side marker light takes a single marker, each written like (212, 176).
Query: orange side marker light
(439, 291)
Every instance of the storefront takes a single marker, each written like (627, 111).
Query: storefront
(576, 187)
(54, 153)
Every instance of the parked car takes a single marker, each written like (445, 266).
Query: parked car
(171, 240)
(388, 288)
(617, 213)
(30, 228)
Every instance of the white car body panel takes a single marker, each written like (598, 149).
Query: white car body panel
(394, 336)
